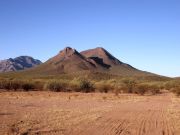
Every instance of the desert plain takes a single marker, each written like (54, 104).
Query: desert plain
(54, 113)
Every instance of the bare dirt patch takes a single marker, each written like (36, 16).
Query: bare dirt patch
(88, 114)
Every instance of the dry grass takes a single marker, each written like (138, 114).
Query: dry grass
(125, 85)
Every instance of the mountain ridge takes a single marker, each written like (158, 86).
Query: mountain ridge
(93, 61)
(101, 53)
(70, 61)
(18, 63)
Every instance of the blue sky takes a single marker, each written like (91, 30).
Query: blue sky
(143, 33)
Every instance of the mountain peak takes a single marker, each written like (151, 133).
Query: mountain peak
(67, 51)
(103, 54)
(68, 60)
(99, 48)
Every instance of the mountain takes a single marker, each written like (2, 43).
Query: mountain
(19, 63)
(70, 61)
(114, 65)
(101, 53)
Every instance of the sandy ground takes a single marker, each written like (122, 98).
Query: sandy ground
(24, 113)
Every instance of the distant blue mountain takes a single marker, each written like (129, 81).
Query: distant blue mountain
(18, 63)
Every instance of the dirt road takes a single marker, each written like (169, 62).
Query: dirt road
(89, 114)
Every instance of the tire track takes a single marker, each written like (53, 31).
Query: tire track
(148, 116)
(140, 118)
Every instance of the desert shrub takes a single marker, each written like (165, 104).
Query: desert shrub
(77, 84)
(15, 85)
(171, 85)
(141, 89)
(86, 86)
(10, 85)
(154, 89)
(74, 85)
(53, 86)
(128, 85)
(5, 84)
(176, 90)
(147, 88)
(26, 86)
(39, 85)
(56, 86)
(161, 86)
(103, 87)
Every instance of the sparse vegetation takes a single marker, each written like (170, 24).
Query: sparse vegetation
(141, 89)
(147, 88)
(129, 85)
(103, 87)
(74, 85)
(26, 86)
(80, 84)
(55, 86)
(154, 89)
(5, 85)
(86, 86)
(177, 91)
(15, 85)
(173, 86)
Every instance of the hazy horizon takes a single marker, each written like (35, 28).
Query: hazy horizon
(144, 34)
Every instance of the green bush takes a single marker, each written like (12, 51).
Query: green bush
(56, 86)
(77, 84)
(86, 86)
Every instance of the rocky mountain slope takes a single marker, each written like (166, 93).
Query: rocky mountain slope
(70, 61)
(19, 63)
(101, 53)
